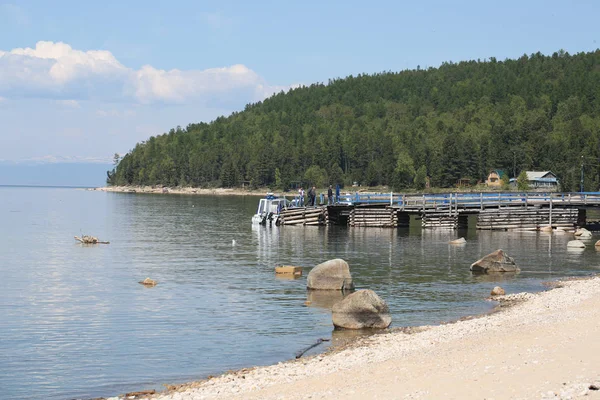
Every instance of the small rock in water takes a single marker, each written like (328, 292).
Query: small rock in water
(578, 244)
(583, 233)
(362, 309)
(497, 261)
(148, 282)
(233, 242)
(546, 229)
(498, 291)
(458, 241)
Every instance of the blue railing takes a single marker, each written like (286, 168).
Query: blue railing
(471, 200)
(460, 200)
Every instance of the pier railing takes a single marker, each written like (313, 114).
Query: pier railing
(471, 201)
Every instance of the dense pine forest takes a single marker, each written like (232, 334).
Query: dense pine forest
(454, 122)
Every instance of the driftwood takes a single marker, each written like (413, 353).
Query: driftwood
(318, 342)
(141, 393)
(85, 239)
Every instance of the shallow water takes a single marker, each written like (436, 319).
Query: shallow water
(76, 324)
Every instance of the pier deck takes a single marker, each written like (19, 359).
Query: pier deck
(501, 210)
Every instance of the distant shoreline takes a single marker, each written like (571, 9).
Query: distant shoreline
(185, 190)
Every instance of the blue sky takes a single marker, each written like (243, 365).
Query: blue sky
(83, 80)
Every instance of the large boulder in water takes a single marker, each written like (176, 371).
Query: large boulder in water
(359, 310)
(497, 261)
(330, 275)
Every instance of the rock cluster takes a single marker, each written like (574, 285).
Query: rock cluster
(359, 310)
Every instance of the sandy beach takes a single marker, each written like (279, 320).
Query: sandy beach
(537, 346)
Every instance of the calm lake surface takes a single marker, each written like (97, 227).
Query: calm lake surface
(76, 323)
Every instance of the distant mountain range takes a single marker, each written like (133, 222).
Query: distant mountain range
(54, 174)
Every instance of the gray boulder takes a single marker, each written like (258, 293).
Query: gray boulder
(359, 310)
(330, 275)
(497, 261)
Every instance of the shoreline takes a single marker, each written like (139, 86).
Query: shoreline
(533, 345)
(182, 190)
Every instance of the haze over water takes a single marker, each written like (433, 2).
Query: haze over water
(76, 324)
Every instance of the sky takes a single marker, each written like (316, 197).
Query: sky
(81, 81)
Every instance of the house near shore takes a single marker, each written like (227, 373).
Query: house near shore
(494, 178)
(540, 180)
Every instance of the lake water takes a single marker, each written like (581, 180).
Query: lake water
(76, 323)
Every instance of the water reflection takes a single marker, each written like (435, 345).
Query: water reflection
(324, 298)
(498, 277)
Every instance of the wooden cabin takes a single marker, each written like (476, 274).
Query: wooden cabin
(540, 181)
(494, 178)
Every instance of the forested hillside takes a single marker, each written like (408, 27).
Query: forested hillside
(456, 121)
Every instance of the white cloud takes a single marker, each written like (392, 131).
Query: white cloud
(56, 70)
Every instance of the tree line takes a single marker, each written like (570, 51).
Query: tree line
(399, 129)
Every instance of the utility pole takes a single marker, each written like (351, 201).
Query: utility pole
(581, 186)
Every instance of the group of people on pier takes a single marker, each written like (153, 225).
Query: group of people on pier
(312, 196)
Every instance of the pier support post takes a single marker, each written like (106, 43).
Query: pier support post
(550, 214)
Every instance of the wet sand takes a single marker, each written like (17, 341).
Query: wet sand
(537, 346)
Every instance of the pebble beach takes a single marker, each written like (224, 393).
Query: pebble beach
(535, 346)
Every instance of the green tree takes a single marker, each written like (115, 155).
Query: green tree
(522, 181)
(420, 178)
(505, 182)
(404, 172)
(336, 175)
(316, 176)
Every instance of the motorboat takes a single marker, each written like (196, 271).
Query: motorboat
(269, 210)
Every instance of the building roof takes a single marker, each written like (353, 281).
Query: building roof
(540, 176)
(499, 172)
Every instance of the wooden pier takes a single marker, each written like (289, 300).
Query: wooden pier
(494, 211)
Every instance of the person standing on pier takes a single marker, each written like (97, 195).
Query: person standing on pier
(330, 195)
(311, 196)
(301, 197)
(314, 196)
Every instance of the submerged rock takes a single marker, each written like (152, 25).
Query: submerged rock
(497, 291)
(330, 275)
(148, 282)
(497, 261)
(458, 241)
(359, 310)
(576, 244)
